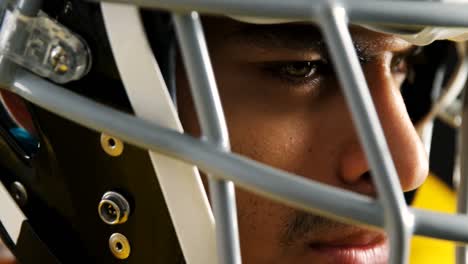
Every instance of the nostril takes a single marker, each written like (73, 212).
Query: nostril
(367, 176)
(365, 185)
(367, 179)
(409, 196)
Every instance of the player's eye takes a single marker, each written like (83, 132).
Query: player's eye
(300, 69)
(400, 64)
(297, 72)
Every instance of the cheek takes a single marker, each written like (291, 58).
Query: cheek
(294, 137)
(266, 124)
(292, 132)
(261, 225)
(272, 139)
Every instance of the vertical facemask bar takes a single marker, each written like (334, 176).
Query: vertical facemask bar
(426, 132)
(462, 192)
(398, 221)
(210, 114)
(29, 7)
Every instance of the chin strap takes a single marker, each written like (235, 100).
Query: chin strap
(180, 183)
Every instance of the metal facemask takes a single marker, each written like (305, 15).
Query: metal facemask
(38, 55)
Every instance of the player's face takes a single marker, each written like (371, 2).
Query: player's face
(5, 256)
(284, 107)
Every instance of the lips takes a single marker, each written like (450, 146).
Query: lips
(355, 248)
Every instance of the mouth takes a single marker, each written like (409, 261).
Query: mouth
(357, 248)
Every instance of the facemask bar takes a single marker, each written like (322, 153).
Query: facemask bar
(211, 117)
(455, 86)
(359, 11)
(302, 193)
(445, 104)
(398, 221)
(462, 192)
(448, 108)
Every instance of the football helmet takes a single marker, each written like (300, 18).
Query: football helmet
(95, 167)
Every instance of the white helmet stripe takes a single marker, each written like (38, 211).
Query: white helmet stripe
(11, 217)
(180, 183)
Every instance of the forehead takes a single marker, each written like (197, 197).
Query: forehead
(299, 36)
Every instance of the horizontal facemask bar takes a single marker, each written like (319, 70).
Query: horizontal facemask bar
(423, 13)
(246, 173)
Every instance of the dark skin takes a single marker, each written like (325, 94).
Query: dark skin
(284, 107)
(5, 256)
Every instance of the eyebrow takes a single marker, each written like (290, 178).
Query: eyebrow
(284, 36)
(304, 38)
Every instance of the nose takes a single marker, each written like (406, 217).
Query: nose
(405, 146)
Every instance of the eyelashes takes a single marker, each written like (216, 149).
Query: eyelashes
(299, 69)
(297, 72)
(300, 73)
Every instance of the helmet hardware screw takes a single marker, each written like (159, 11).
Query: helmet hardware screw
(112, 145)
(113, 208)
(119, 246)
(19, 193)
(59, 59)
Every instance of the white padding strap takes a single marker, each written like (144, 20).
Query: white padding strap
(11, 215)
(180, 183)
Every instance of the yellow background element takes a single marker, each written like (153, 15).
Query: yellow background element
(434, 195)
